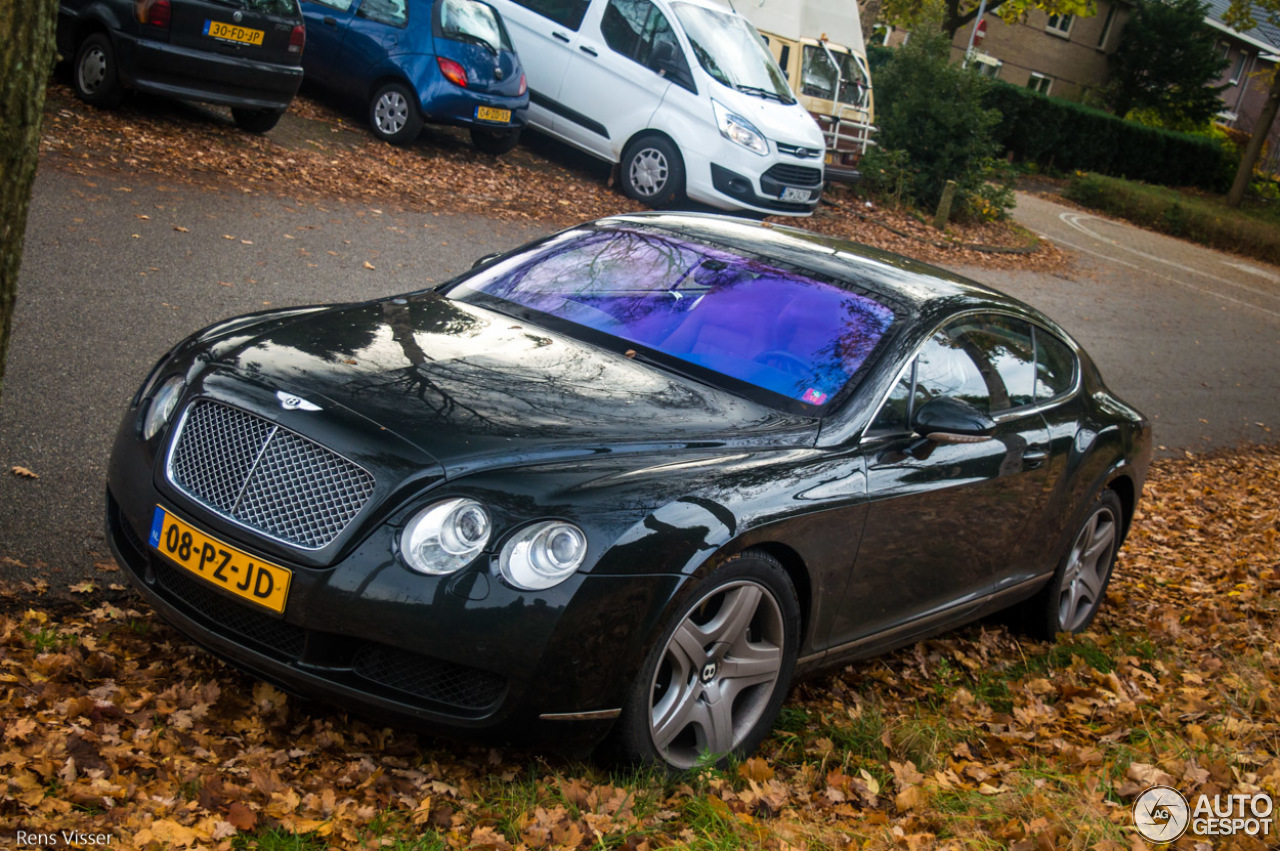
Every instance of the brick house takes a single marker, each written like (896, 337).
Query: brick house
(1252, 58)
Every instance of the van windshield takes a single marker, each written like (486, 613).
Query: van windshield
(818, 76)
(731, 51)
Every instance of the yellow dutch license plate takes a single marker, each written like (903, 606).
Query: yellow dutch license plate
(231, 32)
(489, 113)
(830, 158)
(221, 564)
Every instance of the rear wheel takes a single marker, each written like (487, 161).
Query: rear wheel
(495, 142)
(653, 172)
(256, 120)
(714, 681)
(393, 114)
(1071, 600)
(96, 79)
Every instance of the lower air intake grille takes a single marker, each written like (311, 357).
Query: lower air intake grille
(433, 679)
(795, 175)
(272, 635)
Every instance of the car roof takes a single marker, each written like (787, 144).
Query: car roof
(924, 288)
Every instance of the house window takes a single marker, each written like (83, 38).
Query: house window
(1239, 69)
(1059, 25)
(987, 65)
(1039, 83)
(1106, 28)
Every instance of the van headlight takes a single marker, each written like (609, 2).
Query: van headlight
(739, 130)
(445, 537)
(543, 555)
(161, 406)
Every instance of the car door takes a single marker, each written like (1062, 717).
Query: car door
(375, 32)
(326, 22)
(610, 91)
(544, 33)
(946, 520)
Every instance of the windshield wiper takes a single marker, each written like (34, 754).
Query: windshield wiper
(458, 35)
(768, 94)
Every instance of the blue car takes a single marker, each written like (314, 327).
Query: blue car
(444, 61)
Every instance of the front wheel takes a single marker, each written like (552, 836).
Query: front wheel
(256, 120)
(714, 681)
(653, 172)
(494, 142)
(393, 114)
(1072, 598)
(97, 81)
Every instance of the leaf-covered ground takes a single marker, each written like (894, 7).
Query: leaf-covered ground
(323, 151)
(111, 723)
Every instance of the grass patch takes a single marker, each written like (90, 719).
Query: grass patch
(1252, 230)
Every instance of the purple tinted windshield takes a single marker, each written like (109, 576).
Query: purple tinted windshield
(776, 329)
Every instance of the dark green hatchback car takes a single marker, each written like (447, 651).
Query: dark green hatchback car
(243, 54)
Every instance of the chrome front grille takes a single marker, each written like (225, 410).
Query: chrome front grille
(265, 476)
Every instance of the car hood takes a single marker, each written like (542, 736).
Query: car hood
(790, 124)
(476, 389)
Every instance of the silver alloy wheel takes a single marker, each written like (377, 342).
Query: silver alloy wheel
(649, 172)
(1088, 564)
(717, 674)
(93, 69)
(391, 112)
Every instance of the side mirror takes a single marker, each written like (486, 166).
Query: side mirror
(951, 420)
(667, 61)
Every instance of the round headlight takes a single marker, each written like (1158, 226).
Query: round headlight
(161, 407)
(445, 537)
(542, 555)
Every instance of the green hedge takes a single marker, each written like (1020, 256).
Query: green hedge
(1067, 136)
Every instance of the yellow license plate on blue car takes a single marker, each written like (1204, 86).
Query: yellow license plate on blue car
(219, 563)
(489, 113)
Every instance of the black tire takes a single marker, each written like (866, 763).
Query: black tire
(653, 172)
(494, 142)
(95, 75)
(393, 114)
(256, 120)
(1070, 601)
(733, 637)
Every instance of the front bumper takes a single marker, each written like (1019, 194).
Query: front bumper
(242, 82)
(771, 187)
(461, 654)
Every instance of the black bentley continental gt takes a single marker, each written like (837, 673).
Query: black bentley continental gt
(622, 484)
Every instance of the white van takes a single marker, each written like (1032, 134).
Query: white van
(682, 93)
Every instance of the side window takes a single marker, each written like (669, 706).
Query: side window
(895, 414)
(568, 13)
(946, 366)
(633, 27)
(1005, 343)
(391, 12)
(1055, 365)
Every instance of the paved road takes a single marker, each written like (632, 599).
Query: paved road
(114, 273)
(1188, 335)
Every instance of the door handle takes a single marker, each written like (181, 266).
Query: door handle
(590, 51)
(330, 22)
(560, 36)
(1033, 459)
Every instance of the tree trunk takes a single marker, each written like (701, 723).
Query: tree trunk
(26, 58)
(1251, 152)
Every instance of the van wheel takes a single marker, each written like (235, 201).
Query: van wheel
(97, 82)
(494, 142)
(393, 114)
(256, 120)
(653, 172)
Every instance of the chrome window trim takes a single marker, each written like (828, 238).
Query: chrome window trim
(1077, 377)
(275, 427)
